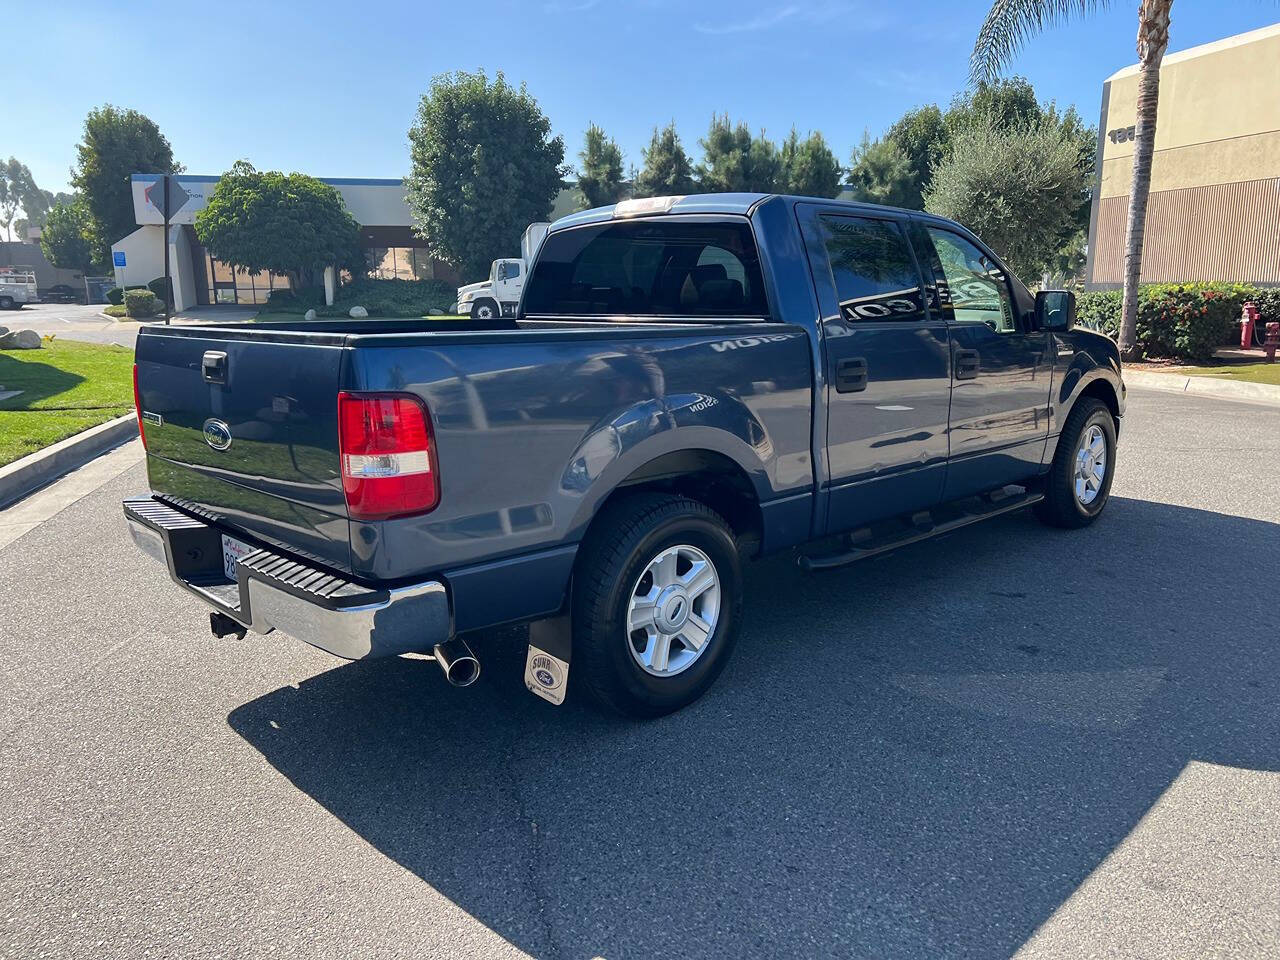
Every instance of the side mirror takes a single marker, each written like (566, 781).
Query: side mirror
(1055, 310)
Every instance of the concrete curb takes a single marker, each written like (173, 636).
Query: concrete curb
(1204, 386)
(44, 466)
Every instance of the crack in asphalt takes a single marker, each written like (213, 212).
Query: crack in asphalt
(532, 879)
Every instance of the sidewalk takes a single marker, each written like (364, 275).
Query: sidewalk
(221, 313)
(1207, 386)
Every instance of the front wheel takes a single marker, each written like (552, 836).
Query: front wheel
(484, 309)
(657, 601)
(1079, 481)
(6, 303)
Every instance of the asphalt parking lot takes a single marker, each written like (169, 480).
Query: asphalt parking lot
(1012, 740)
(74, 321)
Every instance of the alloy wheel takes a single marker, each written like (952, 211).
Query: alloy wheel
(672, 610)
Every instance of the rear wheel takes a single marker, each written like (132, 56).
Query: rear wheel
(657, 602)
(485, 309)
(1079, 481)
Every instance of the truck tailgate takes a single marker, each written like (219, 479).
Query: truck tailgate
(257, 451)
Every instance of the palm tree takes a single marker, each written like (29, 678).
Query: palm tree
(1009, 23)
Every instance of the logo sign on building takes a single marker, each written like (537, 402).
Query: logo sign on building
(117, 258)
(187, 197)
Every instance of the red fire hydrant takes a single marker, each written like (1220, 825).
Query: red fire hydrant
(1248, 318)
(1272, 341)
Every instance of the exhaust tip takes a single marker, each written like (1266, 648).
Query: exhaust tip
(460, 666)
(463, 672)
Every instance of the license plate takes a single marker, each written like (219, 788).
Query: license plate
(232, 552)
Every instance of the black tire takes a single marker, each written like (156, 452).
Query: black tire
(1060, 506)
(6, 303)
(486, 308)
(619, 547)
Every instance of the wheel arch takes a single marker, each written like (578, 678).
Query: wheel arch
(707, 476)
(701, 473)
(1100, 388)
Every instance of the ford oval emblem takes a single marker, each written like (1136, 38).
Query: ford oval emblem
(217, 434)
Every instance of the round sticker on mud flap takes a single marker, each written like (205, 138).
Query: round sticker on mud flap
(545, 672)
(545, 675)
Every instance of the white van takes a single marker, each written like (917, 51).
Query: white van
(17, 288)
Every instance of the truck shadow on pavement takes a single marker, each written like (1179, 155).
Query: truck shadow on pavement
(924, 755)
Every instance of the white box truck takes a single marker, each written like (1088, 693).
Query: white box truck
(498, 296)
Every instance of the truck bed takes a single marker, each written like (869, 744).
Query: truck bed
(527, 417)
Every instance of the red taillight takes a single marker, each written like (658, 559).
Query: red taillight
(388, 468)
(137, 406)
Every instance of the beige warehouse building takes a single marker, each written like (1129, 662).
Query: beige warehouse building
(1214, 211)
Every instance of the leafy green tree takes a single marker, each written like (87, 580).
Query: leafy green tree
(1008, 102)
(809, 167)
(18, 190)
(1017, 188)
(922, 135)
(880, 172)
(67, 236)
(736, 162)
(667, 170)
(37, 210)
(1006, 28)
(116, 144)
(601, 178)
(483, 167)
(290, 224)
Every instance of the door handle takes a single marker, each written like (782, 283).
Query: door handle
(213, 365)
(967, 364)
(851, 374)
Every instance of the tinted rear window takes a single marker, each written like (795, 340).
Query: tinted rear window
(670, 267)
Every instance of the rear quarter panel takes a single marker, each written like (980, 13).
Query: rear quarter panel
(534, 430)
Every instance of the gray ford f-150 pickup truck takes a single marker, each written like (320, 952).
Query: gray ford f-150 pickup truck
(687, 383)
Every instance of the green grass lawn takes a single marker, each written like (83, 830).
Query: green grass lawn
(66, 387)
(1252, 372)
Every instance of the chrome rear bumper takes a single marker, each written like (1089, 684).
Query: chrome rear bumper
(275, 592)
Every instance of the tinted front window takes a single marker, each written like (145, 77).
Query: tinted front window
(972, 284)
(874, 273)
(669, 267)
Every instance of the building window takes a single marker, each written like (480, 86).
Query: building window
(399, 263)
(233, 285)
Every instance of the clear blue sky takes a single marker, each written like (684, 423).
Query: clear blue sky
(329, 88)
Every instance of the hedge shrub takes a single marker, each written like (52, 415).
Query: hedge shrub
(141, 303)
(1185, 321)
(382, 298)
(1268, 301)
(156, 286)
(115, 296)
(1099, 311)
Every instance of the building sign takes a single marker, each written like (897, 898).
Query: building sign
(187, 197)
(1121, 134)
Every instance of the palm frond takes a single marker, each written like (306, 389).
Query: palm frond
(1010, 23)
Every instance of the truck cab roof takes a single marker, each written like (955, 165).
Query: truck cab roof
(736, 204)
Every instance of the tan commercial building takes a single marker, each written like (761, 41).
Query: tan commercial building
(1214, 211)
